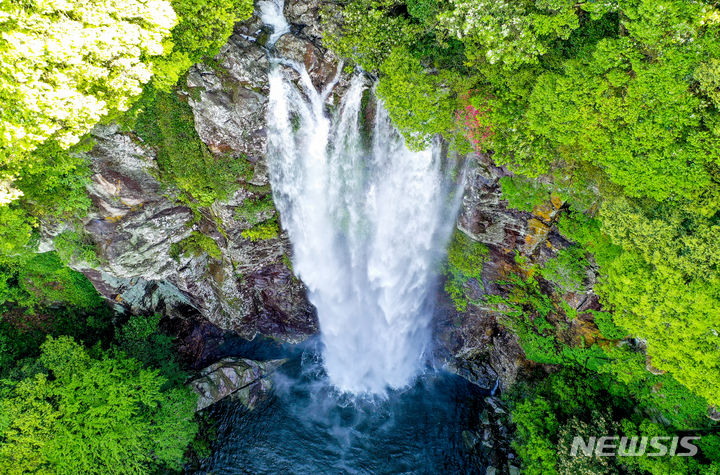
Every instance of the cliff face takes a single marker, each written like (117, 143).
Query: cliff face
(474, 343)
(248, 288)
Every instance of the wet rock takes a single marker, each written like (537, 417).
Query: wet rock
(470, 439)
(321, 65)
(497, 406)
(293, 48)
(248, 289)
(305, 15)
(476, 345)
(242, 379)
(228, 120)
(246, 63)
(490, 440)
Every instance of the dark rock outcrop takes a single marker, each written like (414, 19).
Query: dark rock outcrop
(491, 439)
(240, 379)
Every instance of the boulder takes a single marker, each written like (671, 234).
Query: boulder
(241, 379)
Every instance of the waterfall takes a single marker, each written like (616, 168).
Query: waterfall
(368, 220)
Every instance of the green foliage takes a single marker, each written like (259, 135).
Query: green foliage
(167, 123)
(464, 263)
(72, 245)
(551, 412)
(523, 193)
(44, 280)
(419, 103)
(92, 415)
(607, 327)
(617, 106)
(203, 27)
(535, 423)
(262, 231)
(53, 181)
(541, 325)
(509, 33)
(370, 29)
(140, 338)
(419, 91)
(423, 10)
(658, 394)
(53, 85)
(256, 210)
(52, 185)
(15, 232)
(636, 119)
(545, 337)
(567, 269)
(197, 244)
(658, 266)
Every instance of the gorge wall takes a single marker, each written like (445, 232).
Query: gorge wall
(247, 287)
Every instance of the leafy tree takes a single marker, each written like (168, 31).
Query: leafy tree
(140, 338)
(567, 269)
(509, 33)
(663, 288)
(522, 193)
(368, 32)
(43, 280)
(418, 102)
(551, 412)
(92, 415)
(67, 64)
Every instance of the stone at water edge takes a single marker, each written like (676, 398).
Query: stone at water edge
(242, 379)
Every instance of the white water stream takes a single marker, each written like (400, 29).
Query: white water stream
(368, 223)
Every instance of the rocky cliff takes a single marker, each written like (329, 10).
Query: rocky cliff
(248, 288)
(474, 343)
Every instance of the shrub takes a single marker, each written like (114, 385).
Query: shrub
(203, 27)
(43, 280)
(523, 193)
(256, 210)
(566, 269)
(167, 123)
(72, 245)
(197, 244)
(262, 231)
(464, 263)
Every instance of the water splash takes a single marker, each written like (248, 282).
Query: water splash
(271, 14)
(367, 219)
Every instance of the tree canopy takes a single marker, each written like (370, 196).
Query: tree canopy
(84, 414)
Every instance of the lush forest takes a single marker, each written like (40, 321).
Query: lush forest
(611, 108)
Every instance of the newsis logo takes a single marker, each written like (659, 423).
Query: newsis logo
(614, 446)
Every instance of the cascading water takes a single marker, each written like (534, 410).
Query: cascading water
(366, 221)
